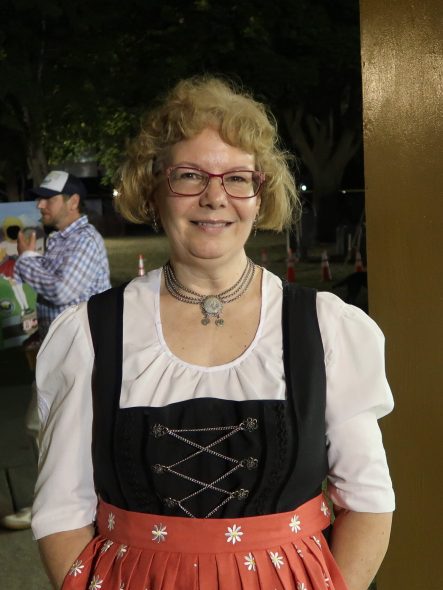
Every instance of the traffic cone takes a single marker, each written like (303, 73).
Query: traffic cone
(290, 267)
(141, 265)
(325, 270)
(264, 258)
(358, 262)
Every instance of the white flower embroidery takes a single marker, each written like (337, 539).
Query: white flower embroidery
(76, 568)
(106, 545)
(276, 559)
(316, 541)
(96, 583)
(324, 509)
(111, 521)
(121, 551)
(295, 524)
(301, 586)
(234, 534)
(159, 533)
(299, 551)
(327, 580)
(122, 586)
(250, 562)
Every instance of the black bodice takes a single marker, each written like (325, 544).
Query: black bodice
(211, 457)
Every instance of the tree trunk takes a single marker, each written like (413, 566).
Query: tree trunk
(37, 163)
(325, 151)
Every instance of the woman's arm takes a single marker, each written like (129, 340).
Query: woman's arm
(60, 550)
(359, 543)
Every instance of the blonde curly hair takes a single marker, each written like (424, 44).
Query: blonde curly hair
(191, 106)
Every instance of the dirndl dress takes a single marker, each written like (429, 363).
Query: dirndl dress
(208, 493)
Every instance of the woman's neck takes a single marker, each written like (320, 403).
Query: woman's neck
(207, 276)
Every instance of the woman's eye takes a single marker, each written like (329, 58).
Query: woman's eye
(189, 175)
(236, 178)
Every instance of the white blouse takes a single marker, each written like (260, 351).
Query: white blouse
(357, 395)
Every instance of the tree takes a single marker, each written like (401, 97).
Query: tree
(53, 61)
(77, 75)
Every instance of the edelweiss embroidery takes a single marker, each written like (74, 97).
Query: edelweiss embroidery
(111, 521)
(76, 568)
(121, 551)
(96, 583)
(234, 534)
(250, 562)
(106, 545)
(295, 524)
(159, 533)
(276, 559)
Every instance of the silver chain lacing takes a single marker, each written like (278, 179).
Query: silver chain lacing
(159, 430)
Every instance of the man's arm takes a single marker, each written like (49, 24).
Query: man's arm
(59, 551)
(359, 543)
(76, 271)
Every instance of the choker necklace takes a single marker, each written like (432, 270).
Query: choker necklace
(211, 305)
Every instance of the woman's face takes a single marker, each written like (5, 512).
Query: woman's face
(211, 225)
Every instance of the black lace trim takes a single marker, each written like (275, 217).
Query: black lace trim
(275, 481)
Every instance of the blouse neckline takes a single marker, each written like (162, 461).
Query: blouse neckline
(238, 360)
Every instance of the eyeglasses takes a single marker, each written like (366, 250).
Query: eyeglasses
(190, 182)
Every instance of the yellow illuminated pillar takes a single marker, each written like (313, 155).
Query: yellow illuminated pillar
(402, 71)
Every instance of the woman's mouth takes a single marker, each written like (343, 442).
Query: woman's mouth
(212, 224)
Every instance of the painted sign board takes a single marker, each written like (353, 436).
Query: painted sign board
(18, 318)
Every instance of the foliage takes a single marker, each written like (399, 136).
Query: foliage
(75, 76)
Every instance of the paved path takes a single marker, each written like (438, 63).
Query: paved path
(20, 567)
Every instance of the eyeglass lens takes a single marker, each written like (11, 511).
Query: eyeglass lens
(237, 183)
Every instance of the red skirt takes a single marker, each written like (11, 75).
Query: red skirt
(135, 551)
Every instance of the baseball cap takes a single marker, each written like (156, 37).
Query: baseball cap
(59, 182)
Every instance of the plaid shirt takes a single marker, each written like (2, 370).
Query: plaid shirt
(73, 268)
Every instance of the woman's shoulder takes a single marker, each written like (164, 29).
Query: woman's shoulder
(69, 328)
(335, 316)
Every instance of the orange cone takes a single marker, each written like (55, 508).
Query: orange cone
(325, 270)
(358, 262)
(141, 265)
(290, 267)
(264, 258)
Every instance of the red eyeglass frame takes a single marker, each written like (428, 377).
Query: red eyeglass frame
(210, 175)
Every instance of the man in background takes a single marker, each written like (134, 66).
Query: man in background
(73, 268)
(75, 264)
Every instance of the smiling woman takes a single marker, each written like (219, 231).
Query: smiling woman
(212, 401)
(211, 223)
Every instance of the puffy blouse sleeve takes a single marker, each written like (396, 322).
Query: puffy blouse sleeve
(358, 394)
(65, 498)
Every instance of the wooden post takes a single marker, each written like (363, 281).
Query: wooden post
(403, 142)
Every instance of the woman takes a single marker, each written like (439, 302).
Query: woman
(212, 421)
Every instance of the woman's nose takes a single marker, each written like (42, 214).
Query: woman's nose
(214, 195)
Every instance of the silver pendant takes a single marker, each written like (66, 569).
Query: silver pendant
(212, 305)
